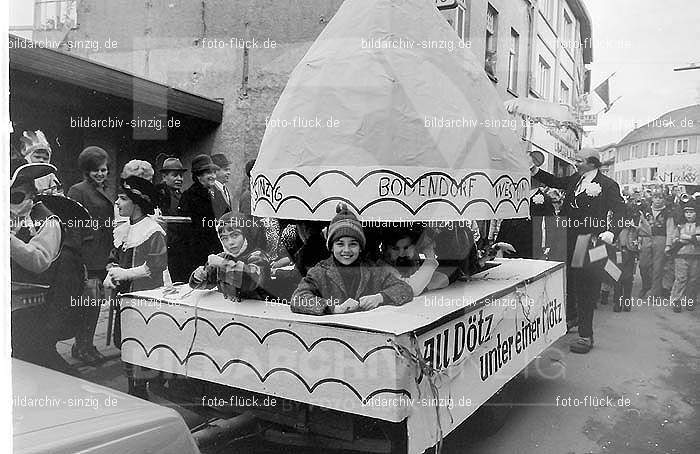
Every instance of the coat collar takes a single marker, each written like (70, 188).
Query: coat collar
(334, 275)
(105, 191)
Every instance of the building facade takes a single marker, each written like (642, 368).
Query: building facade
(499, 32)
(235, 51)
(562, 48)
(241, 53)
(533, 48)
(665, 151)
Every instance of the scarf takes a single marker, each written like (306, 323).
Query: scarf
(350, 274)
(241, 252)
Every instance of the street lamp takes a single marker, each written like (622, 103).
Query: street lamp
(693, 65)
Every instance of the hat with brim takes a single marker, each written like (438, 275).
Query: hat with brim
(68, 210)
(172, 165)
(691, 205)
(203, 163)
(20, 171)
(220, 160)
(142, 192)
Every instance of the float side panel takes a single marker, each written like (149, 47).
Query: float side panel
(331, 367)
(474, 355)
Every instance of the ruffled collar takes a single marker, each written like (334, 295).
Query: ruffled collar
(127, 235)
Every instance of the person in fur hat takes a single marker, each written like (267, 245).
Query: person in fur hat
(242, 270)
(346, 281)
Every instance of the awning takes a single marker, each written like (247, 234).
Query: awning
(35, 58)
(538, 108)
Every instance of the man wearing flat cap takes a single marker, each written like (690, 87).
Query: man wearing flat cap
(589, 197)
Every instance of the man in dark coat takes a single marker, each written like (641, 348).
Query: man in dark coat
(170, 189)
(200, 236)
(169, 195)
(589, 197)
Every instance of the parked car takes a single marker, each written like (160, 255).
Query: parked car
(57, 413)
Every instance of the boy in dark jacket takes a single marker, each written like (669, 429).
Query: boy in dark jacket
(345, 282)
(243, 269)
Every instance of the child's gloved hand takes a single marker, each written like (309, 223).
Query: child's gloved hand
(200, 274)
(369, 302)
(117, 274)
(215, 260)
(349, 305)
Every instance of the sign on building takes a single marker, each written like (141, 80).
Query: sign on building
(685, 174)
(589, 119)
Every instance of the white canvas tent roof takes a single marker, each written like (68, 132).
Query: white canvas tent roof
(390, 113)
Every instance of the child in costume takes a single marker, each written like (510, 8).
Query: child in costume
(684, 241)
(36, 149)
(140, 254)
(243, 269)
(347, 282)
(139, 257)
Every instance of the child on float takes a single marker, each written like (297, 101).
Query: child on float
(242, 270)
(346, 281)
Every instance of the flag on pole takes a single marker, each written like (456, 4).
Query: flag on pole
(603, 92)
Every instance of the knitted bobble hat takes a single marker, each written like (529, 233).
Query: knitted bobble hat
(345, 223)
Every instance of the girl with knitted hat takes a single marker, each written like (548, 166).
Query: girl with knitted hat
(346, 281)
(243, 269)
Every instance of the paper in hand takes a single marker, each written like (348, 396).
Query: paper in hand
(597, 253)
(579, 256)
(613, 270)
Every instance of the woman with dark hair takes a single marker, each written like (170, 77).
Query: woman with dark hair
(98, 198)
(200, 239)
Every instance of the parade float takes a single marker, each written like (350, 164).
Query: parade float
(362, 121)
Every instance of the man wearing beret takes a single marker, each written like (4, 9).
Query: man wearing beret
(589, 197)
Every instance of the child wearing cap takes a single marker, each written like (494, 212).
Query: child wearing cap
(346, 282)
(243, 269)
(685, 239)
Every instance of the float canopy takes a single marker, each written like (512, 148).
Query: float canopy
(391, 114)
